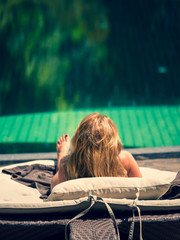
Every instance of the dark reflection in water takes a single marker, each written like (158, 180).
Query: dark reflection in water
(85, 53)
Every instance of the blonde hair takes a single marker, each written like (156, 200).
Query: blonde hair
(95, 149)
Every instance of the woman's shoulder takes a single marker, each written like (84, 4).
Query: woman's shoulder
(130, 164)
(125, 155)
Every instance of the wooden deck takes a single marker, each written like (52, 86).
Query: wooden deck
(163, 158)
(171, 164)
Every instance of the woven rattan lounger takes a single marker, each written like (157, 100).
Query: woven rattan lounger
(159, 224)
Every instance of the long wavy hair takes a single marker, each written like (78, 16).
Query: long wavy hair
(95, 149)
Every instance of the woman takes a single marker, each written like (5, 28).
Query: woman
(96, 152)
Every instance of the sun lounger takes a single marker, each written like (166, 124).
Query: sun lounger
(23, 215)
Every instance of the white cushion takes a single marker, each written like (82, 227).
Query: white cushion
(16, 198)
(75, 206)
(152, 186)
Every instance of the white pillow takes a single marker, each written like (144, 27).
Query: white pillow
(150, 188)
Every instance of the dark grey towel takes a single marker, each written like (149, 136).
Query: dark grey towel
(174, 190)
(36, 175)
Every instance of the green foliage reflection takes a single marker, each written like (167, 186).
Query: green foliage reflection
(63, 54)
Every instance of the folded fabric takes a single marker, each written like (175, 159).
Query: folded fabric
(36, 175)
(174, 190)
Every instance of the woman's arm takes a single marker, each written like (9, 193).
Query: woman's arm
(130, 164)
(58, 177)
